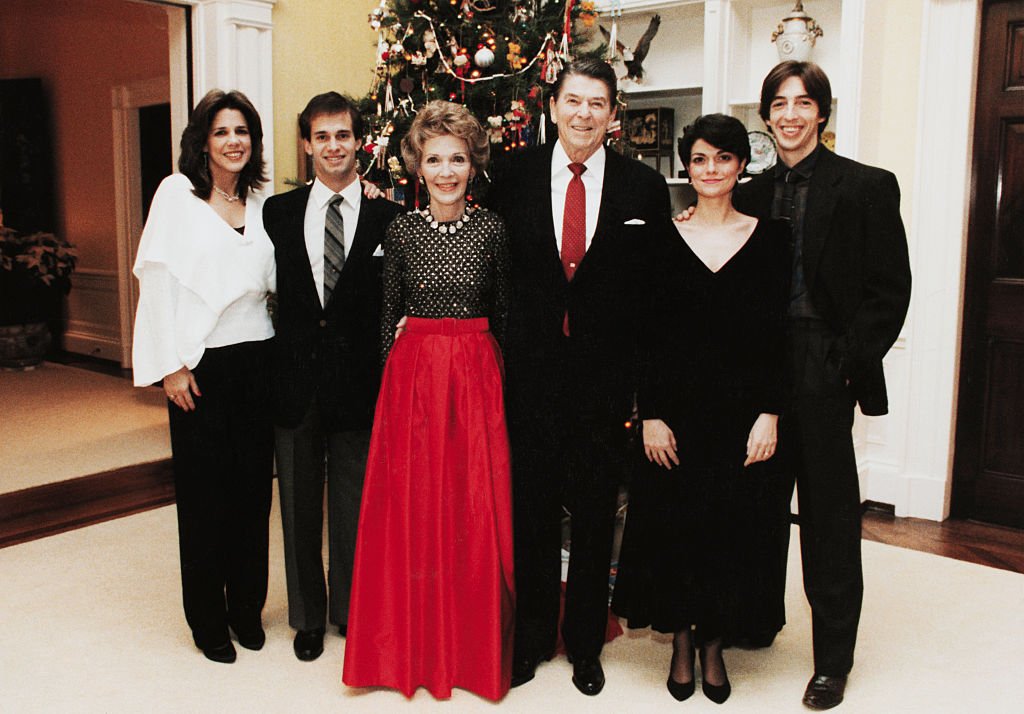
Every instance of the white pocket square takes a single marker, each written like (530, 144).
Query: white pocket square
(379, 253)
(635, 222)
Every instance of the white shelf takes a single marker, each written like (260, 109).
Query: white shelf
(644, 92)
(628, 6)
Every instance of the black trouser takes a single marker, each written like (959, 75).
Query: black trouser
(304, 455)
(816, 444)
(223, 467)
(582, 469)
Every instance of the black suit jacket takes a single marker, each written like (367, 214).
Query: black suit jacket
(330, 351)
(593, 372)
(855, 263)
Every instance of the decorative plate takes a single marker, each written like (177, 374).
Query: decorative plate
(762, 152)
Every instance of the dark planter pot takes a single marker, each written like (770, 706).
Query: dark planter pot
(23, 346)
(30, 317)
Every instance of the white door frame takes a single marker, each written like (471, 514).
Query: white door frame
(126, 100)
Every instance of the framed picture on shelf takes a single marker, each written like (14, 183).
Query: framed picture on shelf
(649, 129)
(650, 133)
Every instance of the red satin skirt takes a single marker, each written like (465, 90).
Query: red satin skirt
(433, 593)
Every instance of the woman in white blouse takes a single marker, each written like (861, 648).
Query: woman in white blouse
(205, 267)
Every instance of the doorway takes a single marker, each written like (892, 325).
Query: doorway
(988, 477)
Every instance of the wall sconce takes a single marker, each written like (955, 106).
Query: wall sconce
(795, 36)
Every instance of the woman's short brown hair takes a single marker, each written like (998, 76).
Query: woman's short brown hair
(193, 160)
(441, 118)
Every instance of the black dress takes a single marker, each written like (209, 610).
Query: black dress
(711, 362)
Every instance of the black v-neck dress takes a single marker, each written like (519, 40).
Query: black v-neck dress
(711, 361)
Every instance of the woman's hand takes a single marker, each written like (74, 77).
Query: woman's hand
(180, 386)
(763, 439)
(685, 214)
(370, 190)
(660, 443)
(400, 327)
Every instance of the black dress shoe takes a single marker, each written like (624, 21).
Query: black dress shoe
(309, 644)
(343, 630)
(525, 667)
(681, 691)
(588, 675)
(824, 692)
(717, 693)
(251, 637)
(224, 653)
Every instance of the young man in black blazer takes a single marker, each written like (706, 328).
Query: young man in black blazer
(577, 254)
(326, 369)
(849, 296)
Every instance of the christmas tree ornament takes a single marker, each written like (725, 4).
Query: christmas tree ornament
(514, 56)
(494, 129)
(429, 43)
(484, 57)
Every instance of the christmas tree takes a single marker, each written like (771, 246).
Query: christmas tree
(497, 57)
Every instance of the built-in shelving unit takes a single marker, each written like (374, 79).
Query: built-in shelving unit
(712, 55)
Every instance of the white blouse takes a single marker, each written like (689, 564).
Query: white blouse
(201, 284)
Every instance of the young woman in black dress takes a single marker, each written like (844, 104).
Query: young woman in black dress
(709, 399)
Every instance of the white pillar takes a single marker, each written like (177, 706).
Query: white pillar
(231, 42)
(918, 478)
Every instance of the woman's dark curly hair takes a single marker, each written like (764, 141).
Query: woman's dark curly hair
(193, 160)
(723, 132)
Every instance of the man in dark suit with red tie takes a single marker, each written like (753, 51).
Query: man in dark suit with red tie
(848, 299)
(327, 239)
(580, 219)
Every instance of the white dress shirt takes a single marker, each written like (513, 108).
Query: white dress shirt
(593, 183)
(316, 217)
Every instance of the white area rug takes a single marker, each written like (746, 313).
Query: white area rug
(91, 622)
(61, 422)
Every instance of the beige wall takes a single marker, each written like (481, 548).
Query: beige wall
(889, 93)
(319, 45)
(81, 50)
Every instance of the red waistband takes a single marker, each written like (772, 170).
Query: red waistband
(446, 325)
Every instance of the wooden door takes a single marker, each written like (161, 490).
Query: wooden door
(989, 463)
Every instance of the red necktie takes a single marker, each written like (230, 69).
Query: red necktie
(574, 228)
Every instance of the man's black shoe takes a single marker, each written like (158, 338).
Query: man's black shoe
(309, 644)
(824, 692)
(588, 675)
(525, 667)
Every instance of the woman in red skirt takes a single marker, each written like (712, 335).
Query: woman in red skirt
(432, 593)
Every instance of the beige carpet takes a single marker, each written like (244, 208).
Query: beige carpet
(61, 422)
(91, 622)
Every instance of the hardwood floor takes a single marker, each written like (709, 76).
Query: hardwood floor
(995, 546)
(55, 508)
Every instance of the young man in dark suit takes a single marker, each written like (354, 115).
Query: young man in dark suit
(848, 299)
(326, 368)
(579, 219)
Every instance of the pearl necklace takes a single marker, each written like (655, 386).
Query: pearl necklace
(227, 197)
(449, 227)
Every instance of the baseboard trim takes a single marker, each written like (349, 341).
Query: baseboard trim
(57, 507)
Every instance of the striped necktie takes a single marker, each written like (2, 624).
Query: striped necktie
(334, 245)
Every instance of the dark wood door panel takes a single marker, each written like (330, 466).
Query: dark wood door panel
(988, 479)
(1008, 241)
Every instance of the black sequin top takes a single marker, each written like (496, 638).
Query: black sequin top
(433, 273)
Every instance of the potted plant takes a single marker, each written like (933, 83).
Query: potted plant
(35, 275)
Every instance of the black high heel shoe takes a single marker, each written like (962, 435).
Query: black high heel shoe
(681, 691)
(717, 693)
